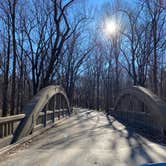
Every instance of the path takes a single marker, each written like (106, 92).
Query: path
(87, 139)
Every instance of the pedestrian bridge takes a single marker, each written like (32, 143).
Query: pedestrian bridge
(87, 137)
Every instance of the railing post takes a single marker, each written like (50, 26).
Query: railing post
(33, 123)
(12, 127)
(59, 107)
(45, 115)
(9, 133)
(63, 108)
(54, 107)
(1, 130)
(6, 130)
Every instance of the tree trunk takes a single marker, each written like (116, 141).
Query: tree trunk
(12, 108)
(155, 66)
(6, 75)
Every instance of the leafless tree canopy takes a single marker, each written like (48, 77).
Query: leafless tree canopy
(63, 42)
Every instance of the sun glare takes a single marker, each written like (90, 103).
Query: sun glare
(111, 28)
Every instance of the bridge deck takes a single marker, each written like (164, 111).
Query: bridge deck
(87, 139)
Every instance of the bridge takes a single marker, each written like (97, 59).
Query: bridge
(50, 132)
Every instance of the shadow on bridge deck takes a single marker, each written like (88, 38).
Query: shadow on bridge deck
(141, 146)
(89, 139)
(138, 145)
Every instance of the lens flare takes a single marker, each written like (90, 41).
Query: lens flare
(111, 28)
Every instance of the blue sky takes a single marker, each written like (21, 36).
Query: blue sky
(98, 3)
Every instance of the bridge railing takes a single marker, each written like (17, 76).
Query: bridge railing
(8, 126)
(136, 106)
(139, 108)
(46, 107)
(49, 118)
(42, 111)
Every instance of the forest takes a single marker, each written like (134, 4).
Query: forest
(92, 51)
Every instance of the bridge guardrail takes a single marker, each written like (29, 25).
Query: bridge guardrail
(142, 109)
(48, 98)
(8, 126)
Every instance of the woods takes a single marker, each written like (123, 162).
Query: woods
(65, 43)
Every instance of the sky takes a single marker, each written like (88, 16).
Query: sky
(100, 2)
(97, 2)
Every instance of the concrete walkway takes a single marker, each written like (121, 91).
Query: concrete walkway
(86, 139)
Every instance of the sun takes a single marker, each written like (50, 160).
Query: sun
(111, 28)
